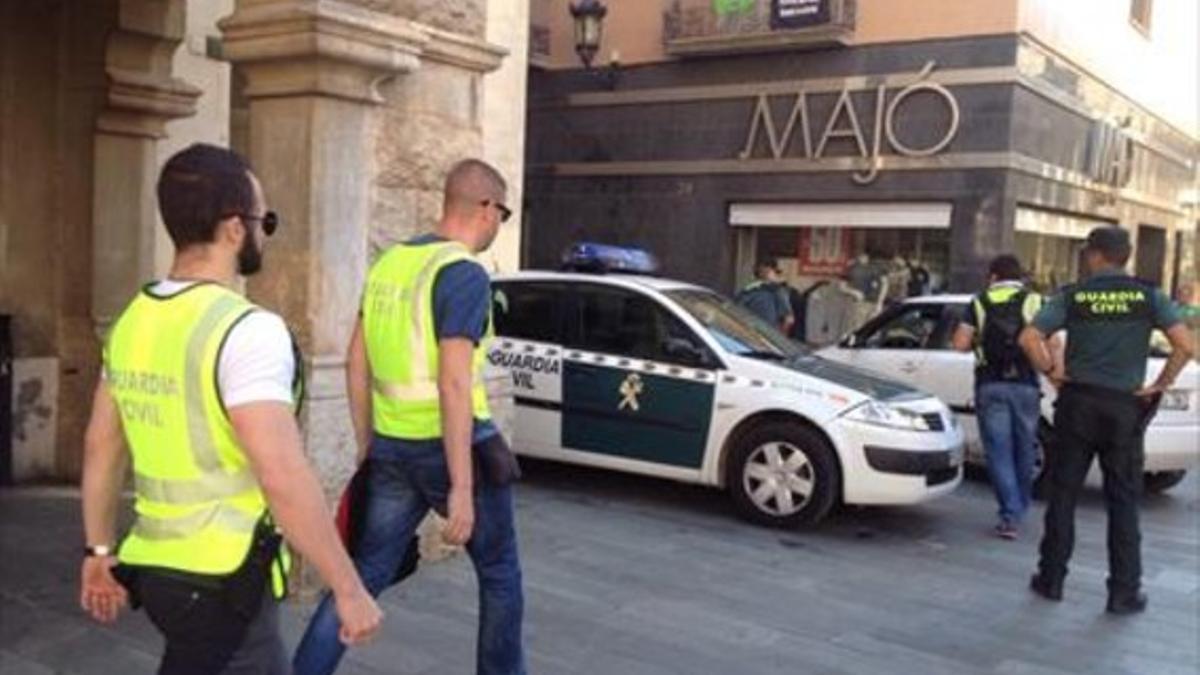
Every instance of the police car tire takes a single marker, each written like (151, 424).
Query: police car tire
(824, 470)
(1161, 481)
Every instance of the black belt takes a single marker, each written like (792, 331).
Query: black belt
(1147, 406)
(1099, 391)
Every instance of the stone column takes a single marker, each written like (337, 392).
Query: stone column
(504, 122)
(432, 119)
(142, 97)
(313, 70)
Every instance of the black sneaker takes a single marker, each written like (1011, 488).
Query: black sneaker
(1126, 604)
(1050, 590)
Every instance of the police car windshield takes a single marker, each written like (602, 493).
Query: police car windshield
(737, 330)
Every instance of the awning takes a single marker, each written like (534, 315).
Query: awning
(891, 215)
(1037, 221)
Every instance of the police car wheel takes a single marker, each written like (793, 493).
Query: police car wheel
(782, 475)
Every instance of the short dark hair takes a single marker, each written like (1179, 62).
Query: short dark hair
(766, 264)
(198, 187)
(1112, 243)
(473, 179)
(1006, 267)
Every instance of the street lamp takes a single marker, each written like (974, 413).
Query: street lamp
(589, 28)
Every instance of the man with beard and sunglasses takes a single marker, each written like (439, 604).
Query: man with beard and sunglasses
(425, 435)
(199, 392)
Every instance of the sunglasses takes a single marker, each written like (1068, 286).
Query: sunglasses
(269, 220)
(505, 212)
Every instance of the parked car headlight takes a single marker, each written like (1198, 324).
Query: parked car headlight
(1176, 399)
(884, 415)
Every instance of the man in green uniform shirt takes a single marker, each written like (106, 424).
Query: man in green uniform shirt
(767, 296)
(1102, 407)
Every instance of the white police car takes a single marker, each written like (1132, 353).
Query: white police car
(911, 342)
(658, 377)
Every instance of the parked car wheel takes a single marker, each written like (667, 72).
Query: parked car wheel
(1153, 482)
(782, 475)
(1162, 481)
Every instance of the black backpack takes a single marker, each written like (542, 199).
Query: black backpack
(1003, 358)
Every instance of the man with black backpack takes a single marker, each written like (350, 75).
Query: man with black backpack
(1007, 393)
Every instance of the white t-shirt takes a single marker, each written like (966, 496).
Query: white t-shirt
(256, 362)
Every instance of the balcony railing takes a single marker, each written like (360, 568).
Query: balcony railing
(700, 27)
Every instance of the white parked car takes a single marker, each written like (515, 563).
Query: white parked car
(911, 342)
(658, 377)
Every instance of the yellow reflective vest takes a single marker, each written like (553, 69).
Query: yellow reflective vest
(402, 345)
(197, 500)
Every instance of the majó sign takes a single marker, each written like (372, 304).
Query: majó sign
(843, 123)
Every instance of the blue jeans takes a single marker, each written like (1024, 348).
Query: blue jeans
(405, 480)
(1008, 419)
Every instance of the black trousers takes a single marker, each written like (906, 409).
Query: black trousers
(205, 636)
(1109, 425)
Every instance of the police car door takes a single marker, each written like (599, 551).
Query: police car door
(950, 374)
(528, 346)
(638, 387)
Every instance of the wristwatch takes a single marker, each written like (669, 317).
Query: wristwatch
(98, 551)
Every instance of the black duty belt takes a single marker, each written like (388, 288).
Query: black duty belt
(1098, 391)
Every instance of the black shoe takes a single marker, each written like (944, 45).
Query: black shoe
(1050, 590)
(1127, 604)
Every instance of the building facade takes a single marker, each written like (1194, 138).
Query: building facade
(815, 132)
(350, 111)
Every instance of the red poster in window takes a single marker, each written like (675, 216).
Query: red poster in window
(823, 250)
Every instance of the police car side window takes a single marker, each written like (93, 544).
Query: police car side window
(914, 327)
(528, 311)
(619, 322)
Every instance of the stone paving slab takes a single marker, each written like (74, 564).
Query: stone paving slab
(632, 576)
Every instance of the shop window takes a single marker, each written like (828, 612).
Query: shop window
(1050, 261)
(1151, 254)
(823, 250)
(914, 261)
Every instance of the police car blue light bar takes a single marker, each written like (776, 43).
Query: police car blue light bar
(588, 257)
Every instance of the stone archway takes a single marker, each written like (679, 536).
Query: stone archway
(85, 88)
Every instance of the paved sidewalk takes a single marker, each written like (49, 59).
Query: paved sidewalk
(627, 576)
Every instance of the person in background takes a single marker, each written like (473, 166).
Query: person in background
(1185, 303)
(918, 279)
(767, 296)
